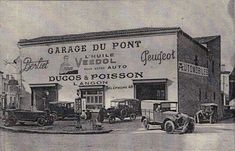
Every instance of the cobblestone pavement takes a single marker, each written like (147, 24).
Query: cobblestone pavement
(127, 136)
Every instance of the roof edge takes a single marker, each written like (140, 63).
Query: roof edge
(49, 40)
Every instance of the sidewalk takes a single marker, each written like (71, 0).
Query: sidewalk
(59, 127)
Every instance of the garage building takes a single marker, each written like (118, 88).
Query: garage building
(144, 63)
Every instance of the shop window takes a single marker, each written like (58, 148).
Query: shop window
(160, 94)
(94, 97)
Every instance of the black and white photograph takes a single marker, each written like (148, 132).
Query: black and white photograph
(117, 75)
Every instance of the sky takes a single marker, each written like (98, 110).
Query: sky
(30, 19)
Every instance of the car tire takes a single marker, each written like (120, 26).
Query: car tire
(123, 113)
(41, 121)
(146, 124)
(191, 127)
(111, 119)
(132, 116)
(55, 117)
(169, 126)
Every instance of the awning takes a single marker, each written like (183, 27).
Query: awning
(91, 87)
(45, 85)
(137, 81)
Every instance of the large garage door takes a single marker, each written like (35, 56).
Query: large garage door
(154, 89)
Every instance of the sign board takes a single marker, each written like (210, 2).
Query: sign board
(111, 62)
(192, 69)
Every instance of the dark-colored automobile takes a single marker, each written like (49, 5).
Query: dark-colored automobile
(121, 108)
(207, 113)
(12, 116)
(232, 106)
(63, 109)
(165, 114)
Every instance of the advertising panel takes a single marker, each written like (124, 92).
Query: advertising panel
(112, 62)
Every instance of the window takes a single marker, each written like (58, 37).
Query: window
(160, 94)
(213, 66)
(205, 95)
(196, 60)
(214, 96)
(93, 96)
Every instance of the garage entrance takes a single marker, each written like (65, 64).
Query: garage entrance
(151, 89)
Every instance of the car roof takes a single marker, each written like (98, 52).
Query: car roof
(60, 102)
(158, 102)
(123, 99)
(209, 104)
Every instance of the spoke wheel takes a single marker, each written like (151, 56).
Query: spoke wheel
(133, 116)
(111, 119)
(169, 127)
(41, 121)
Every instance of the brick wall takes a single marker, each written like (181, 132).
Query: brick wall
(189, 85)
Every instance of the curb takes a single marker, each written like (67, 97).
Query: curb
(55, 132)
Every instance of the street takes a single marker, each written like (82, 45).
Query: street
(127, 136)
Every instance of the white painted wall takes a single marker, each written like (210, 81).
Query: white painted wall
(129, 57)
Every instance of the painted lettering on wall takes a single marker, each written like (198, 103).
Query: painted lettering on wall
(192, 69)
(96, 77)
(146, 56)
(29, 64)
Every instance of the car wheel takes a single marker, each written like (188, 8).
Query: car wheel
(191, 128)
(123, 113)
(111, 119)
(133, 116)
(169, 126)
(54, 115)
(146, 124)
(41, 121)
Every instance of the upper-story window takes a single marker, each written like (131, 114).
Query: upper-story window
(213, 66)
(196, 60)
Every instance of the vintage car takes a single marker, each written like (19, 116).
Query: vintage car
(63, 109)
(12, 116)
(121, 108)
(164, 113)
(232, 106)
(207, 113)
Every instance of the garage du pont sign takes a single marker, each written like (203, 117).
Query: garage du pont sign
(192, 69)
(98, 62)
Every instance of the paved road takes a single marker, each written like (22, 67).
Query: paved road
(128, 136)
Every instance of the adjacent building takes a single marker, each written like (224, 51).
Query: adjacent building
(146, 63)
(9, 91)
(232, 85)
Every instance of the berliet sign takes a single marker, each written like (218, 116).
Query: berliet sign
(192, 69)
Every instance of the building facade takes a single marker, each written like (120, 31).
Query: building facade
(9, 91)
(146, 63)
(232, 85)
